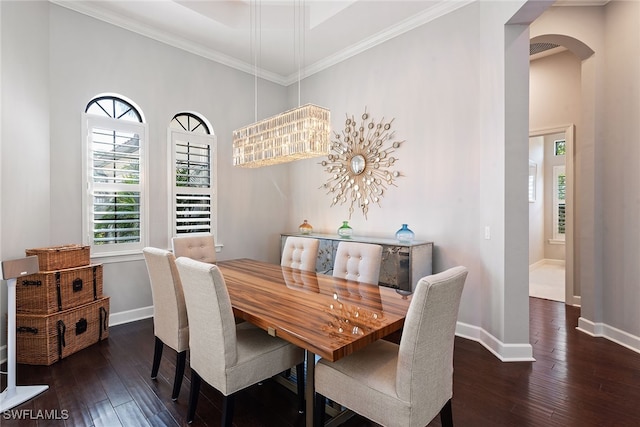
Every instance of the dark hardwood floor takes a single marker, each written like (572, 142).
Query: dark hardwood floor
(577, 380)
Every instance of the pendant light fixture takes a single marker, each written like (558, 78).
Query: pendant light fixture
(299, 133)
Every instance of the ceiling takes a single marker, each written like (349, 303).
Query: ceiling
(280, 40)
(266, 35)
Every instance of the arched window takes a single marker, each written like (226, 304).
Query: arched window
(189, 122)
(192, 165)
(114, 220)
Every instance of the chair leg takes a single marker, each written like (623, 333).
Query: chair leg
(157, 355)
(446, 415)
(227, 410)
(318, 410)
(177, 381)
(193, 395)
(300, 384)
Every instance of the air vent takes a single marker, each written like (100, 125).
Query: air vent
(541, 47)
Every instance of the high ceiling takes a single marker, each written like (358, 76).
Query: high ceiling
(280, 40)
(267, 34)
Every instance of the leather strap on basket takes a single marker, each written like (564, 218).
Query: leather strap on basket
(61, 343)
(95, 284)
(58, 291)
(104, 324)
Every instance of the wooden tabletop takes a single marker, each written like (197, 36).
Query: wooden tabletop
(328, 316)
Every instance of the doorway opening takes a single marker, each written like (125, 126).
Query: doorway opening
(551, 183)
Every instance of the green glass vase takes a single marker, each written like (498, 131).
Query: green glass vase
(345, 231)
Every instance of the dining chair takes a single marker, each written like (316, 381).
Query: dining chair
(228, 356)
(358, 261)
(200, 247)
(407, 384)
(300, 253)
(170, 323)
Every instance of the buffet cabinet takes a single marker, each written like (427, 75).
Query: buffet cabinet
(402, 264)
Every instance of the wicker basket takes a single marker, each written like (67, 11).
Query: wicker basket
(61, 257)
(45, 339)
(51, 291)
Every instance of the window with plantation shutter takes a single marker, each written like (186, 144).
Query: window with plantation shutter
(193, 175)
(114, 221)
(559, 205)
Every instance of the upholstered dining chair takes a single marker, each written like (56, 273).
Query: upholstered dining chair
(227, 356)
(170, 324)
(358, 261)
(402, 385)
(300, 253)
(200, 247)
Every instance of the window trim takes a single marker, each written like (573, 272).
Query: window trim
(89, 121)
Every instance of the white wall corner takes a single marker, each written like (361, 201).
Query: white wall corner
(602, 330)
(504, 352)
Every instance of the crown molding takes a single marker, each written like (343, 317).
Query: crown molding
(415, 21)
(91, 9)
(88, 8)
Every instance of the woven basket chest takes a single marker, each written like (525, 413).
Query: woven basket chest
(45, 339)
(61, 257)
(47, 292)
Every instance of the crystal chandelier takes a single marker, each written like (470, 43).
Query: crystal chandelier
(300, 133)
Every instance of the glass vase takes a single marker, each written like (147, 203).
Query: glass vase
(345, 231)
(405, 235)
(305, 228)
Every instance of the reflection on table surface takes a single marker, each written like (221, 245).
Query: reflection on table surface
(328, 316)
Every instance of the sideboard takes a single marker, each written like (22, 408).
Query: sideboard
(402, 264)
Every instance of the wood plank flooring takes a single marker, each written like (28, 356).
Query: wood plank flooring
(577, 380)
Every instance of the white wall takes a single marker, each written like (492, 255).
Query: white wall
(25, 135)
(444, 85)
(606, 151)
(53, 62)
(457, 88)
(621, 177)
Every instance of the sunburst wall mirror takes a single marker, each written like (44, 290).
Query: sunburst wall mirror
(360, 163)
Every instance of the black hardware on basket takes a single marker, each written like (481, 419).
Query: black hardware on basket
(95, 290)
(81, 326)
(103, 322)
(28, 329)
(31, 283)
(61, 331)
(58, 291)
(77, 285)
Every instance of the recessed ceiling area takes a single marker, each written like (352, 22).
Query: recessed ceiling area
(280, 40)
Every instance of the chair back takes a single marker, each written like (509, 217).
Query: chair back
(358, 261)
(425, 358)
(170, 322)
(213, 332)
(300, 253)
(200, 247)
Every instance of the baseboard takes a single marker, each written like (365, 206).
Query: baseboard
(615, 335)
(542, 262)
(504, 352)
(130, 315)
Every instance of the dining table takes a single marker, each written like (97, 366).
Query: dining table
(327, 316)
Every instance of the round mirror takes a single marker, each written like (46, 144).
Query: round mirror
(358, 164)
